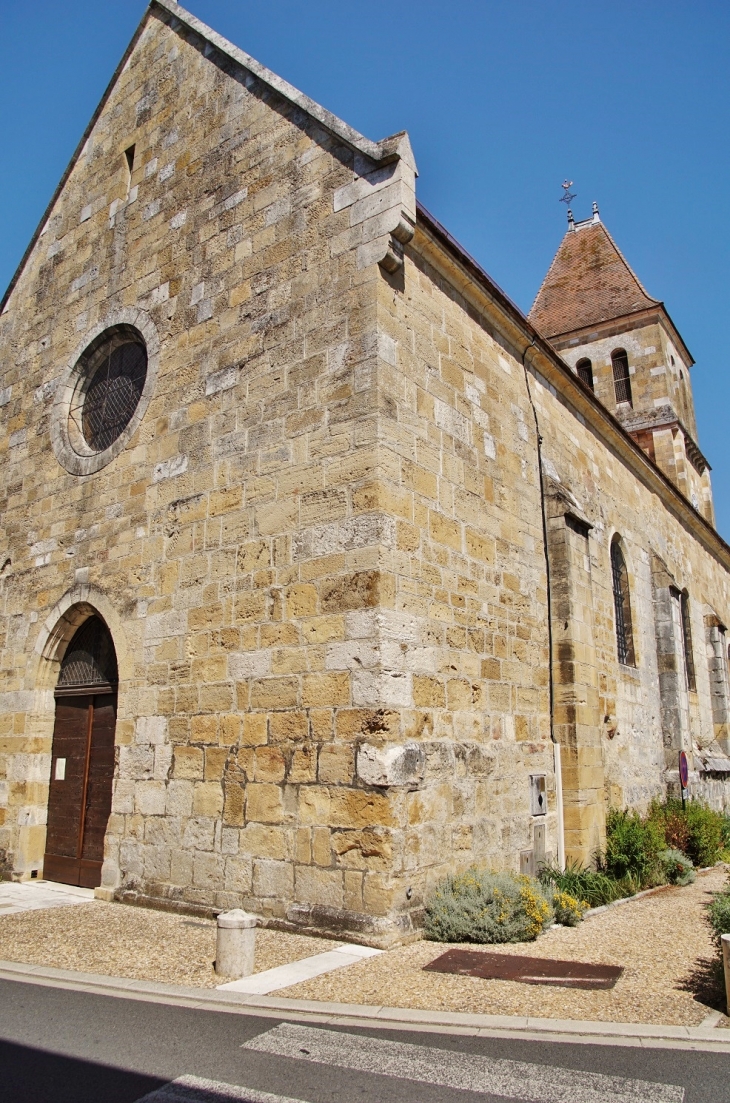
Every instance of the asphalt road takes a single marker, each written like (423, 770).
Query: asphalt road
(62, 1046)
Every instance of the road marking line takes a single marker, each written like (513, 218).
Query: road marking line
(193, 1089)
(297, 971)
(451, 1069)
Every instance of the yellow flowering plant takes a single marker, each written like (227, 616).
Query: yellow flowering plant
(481, 905)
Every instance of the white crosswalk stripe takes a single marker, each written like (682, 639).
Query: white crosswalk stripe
(193, 1089)
(451, 1069)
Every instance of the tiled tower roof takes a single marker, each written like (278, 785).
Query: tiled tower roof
(588, 282)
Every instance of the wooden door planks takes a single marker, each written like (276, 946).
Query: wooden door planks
(79, 804)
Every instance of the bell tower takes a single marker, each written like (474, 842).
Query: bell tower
(624, 346)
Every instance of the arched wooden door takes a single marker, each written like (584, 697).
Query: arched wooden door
(82, 762)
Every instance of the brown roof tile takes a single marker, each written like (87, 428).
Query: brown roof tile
(588, 282)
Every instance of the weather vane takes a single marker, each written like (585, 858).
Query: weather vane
(567, 195)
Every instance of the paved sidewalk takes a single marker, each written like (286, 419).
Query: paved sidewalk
(284, 976)
(33, 895)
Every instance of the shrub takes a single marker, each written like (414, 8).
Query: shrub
(676, 831)
(696, 830)
(482, 906)
(725, 852)
(629, 885)
(705, 834)
(718, 914)
(568, 910)
(678, 868)
(632, 848)
(593, 886)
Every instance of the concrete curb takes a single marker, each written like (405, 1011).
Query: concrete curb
(391, 1018)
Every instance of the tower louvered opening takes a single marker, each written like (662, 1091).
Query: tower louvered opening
(621, 377)
(585, 372)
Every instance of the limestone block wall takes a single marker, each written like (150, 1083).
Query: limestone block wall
(612, 714)
(661, 390)
(716, 651)
(615, 501)
(711, 789)
(654, 366)
(233, 546)
(679, 382)
(575, 671)
(459, 476)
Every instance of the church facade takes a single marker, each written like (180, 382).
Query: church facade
(324, 571)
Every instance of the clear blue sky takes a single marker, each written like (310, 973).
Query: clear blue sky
(502, 100)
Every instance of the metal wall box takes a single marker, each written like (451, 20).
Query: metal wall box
(538, 795)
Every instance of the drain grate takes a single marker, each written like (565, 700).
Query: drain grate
(527, 970)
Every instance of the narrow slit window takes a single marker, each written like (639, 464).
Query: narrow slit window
(622, 607)
(585, 372)
(129, 158)
(621, 376)
(689, 663)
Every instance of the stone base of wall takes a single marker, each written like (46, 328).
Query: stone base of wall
(381, 932)
(312, 919)
(158, 903)
(713, 790)
(709, 789)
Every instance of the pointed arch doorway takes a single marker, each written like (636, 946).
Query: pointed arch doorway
(82, 758)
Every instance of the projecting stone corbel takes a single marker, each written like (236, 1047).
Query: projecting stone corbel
(399, 764)
(382, 204)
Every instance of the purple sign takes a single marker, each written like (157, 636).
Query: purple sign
(683, 769)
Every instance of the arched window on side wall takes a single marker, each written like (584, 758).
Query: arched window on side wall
(585, 372)
(689, 662)
(622, 606)
(621, 376)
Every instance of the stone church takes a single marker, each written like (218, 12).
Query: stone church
(324, 571)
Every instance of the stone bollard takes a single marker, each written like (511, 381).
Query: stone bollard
(726, 964)
(235, 943)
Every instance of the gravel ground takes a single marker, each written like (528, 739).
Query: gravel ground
(661, 940)
(670, 975)
(122, 941)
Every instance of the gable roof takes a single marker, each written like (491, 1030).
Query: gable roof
(588, 282)
(394, 148)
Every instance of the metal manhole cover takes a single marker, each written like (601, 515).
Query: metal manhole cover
(528, 970)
